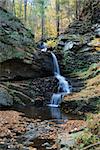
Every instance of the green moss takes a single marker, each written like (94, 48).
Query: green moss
(15, 39)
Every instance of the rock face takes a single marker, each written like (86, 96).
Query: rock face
(18, 55)
(80, 46)
(20, 60)
(17, 69)
(5, 98)
(35, 91)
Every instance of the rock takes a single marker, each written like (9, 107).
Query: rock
(96, 29)
(31, 92)
(46, 144)
(19, 58)
(30, 136)
(80, 46)
(68, 45)
(5, 98)
(39, 101)
(97, 32)
(65, 141)
(3, 146)
(31, 148)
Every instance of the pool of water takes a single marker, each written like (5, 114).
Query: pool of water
(45, 113)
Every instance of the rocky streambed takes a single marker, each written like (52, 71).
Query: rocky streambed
(34, 130)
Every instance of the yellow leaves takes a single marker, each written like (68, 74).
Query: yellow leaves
(96, 43)
(51, 29)
(52, 43)
(97, 48)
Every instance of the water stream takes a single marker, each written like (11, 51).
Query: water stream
(63, 87)
(53, 112)
(46, 119)
(44, 113)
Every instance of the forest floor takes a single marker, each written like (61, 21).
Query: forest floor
(20, 132)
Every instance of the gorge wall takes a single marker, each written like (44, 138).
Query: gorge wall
(80, 48)
(20, 60)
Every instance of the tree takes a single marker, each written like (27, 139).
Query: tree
(58, 16)
(25, 9)
(13, 7)
(45, 17)
(20, 8)
(79, 5)
(42, 19)
(42, 5)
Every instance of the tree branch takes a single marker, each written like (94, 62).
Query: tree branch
(91, 145)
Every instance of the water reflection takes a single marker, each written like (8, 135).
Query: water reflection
(43, 113)
(56, 113)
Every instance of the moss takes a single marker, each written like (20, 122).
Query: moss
(15, 39)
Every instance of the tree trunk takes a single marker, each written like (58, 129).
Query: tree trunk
(25, 9)
(43, 21)
(13, 7)
(76, 9)
(20, 8)
(69, 13)
(58, 17)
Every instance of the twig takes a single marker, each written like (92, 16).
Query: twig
(91, 145)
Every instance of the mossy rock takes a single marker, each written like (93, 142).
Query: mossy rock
(15, 39)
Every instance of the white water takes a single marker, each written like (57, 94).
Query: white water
(56, 97)
(63, 84)
(55, 64)
(63, 87)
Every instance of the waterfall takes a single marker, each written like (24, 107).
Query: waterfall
(63, 87)
(55, 64)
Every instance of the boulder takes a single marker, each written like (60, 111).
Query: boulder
(5, 98)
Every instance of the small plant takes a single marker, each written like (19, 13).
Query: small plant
(86, 139)
(52, 43)
(93, 124)
(90, 136)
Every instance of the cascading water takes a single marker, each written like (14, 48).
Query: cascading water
(63, 87)
(55, 64)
